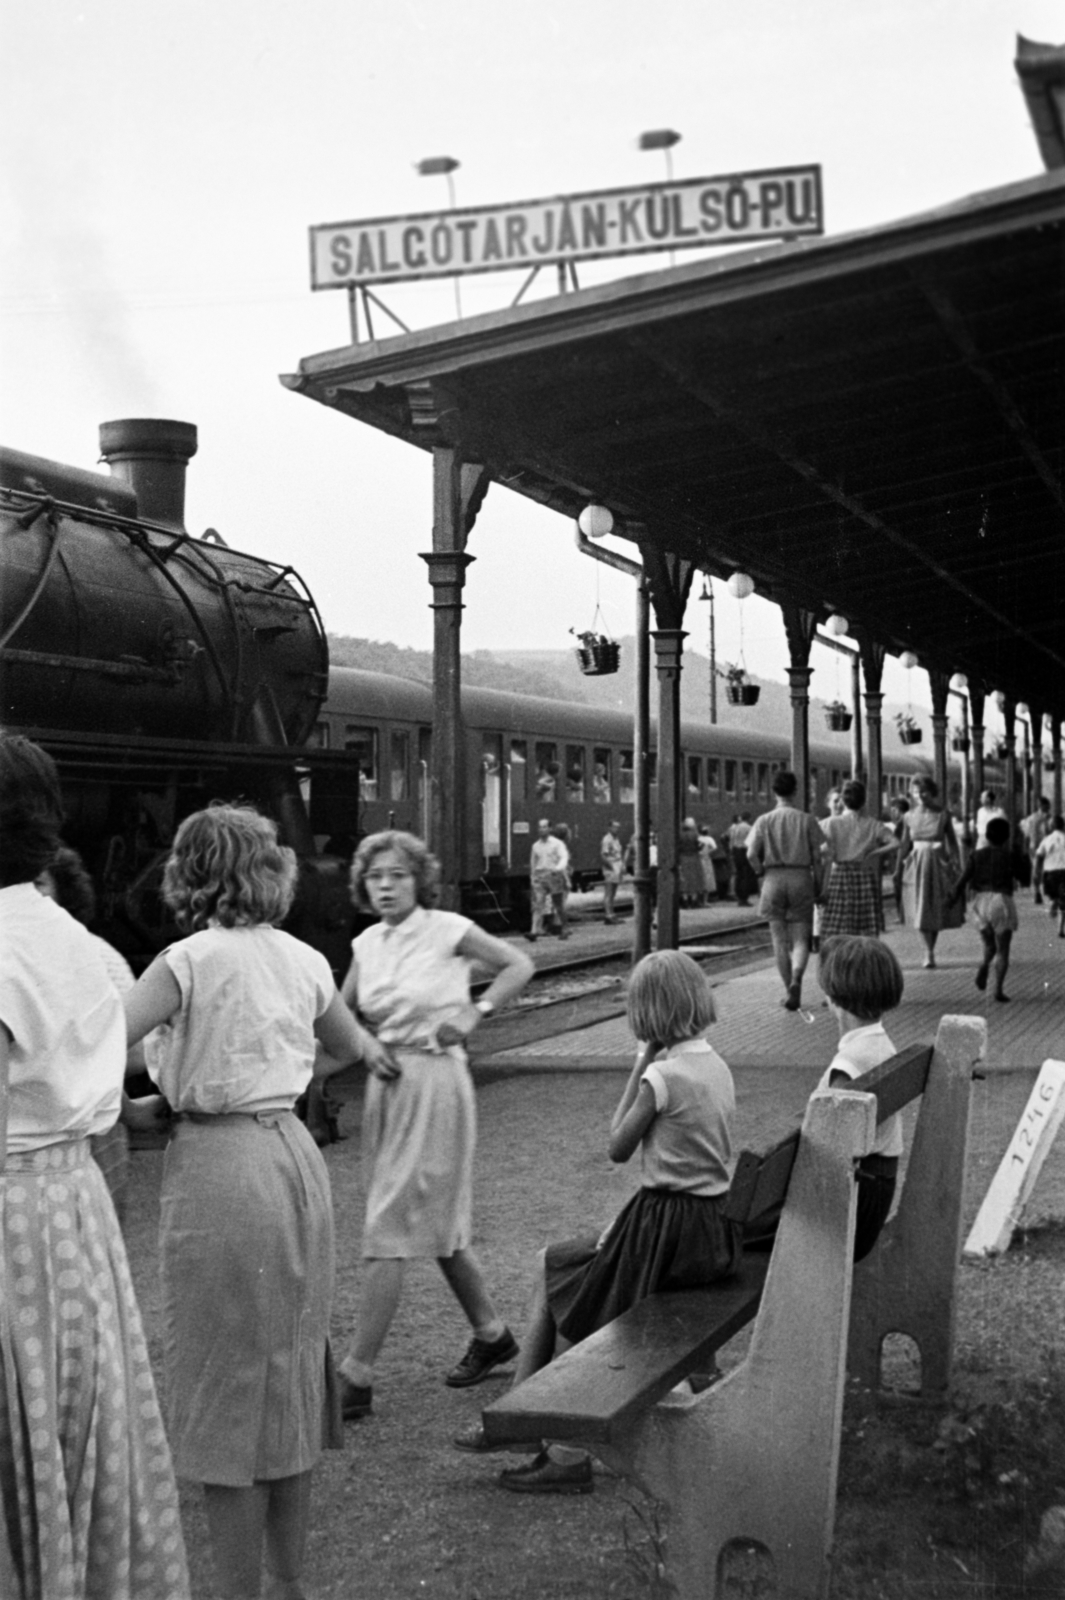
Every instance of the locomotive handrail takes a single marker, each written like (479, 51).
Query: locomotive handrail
(138, 537)
(53, 523)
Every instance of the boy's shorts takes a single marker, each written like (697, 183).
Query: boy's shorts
(788, 895)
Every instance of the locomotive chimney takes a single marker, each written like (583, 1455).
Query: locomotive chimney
(151, 455)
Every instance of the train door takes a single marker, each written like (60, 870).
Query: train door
(517, 795)
(400, 788)
(421, 780)
(492, 794)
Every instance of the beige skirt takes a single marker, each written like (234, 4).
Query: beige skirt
(247, 1262)
(418, 1137)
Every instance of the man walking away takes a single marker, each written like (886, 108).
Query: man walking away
(784, 849)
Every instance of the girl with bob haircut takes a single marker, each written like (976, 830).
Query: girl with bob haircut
(246, 1223)
(862, 980)
(409, 980)
(676, 1109)
(88, 1502)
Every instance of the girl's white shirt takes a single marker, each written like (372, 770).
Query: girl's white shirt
(243, 1037)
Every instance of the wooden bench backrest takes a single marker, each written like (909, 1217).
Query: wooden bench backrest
(760, 1182)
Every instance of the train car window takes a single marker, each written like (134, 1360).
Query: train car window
(399, 768)
(519, 764)
(763, 780)
(713, 778)
(319, 739)
(602, 762)
(363, 743)
(695, 777)
(627, 780)
(575, 773)
(748, 780)
(548, 772)
(730, 779)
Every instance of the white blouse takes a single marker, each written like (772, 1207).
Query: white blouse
(411, 978)
(68, 1033)
(243, 1039)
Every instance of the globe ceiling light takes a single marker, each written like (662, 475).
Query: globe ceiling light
(959, 682)
(740, 585)
(595, 522)
(908, 660)
(837, 625)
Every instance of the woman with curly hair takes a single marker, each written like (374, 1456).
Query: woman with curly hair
(246, 1222)
(410, 982)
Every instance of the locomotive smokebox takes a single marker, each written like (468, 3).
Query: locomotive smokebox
(150, 454)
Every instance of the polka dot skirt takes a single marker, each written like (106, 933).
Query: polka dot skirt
(88, 1504)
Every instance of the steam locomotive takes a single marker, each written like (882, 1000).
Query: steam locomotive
(163, 671)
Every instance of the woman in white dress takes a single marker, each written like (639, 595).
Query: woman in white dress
(409, 982)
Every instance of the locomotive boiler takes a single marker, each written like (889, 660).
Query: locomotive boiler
(160, 670)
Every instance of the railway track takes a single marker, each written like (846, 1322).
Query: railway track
(582, 990)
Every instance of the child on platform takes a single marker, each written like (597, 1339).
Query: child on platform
(676, 1110)
(246, 1223)
(991, 875)
(863, 980)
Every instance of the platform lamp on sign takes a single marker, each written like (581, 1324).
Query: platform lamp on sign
(661, 139)
(443, 167)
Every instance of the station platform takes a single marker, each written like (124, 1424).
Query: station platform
(753, 1030)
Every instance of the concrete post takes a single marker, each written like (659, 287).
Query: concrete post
(755, 1459)
(908, 1282)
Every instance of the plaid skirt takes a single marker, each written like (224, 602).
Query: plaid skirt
(88, 1504)
(852, 905)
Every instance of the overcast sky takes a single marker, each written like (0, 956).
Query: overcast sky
(163, 160)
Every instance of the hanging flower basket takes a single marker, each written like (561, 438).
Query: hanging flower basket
(911, 735)
(597, 655)
(1003, 751)
(1048, 763)
(743, 694)
(838, 717)
(960, 743)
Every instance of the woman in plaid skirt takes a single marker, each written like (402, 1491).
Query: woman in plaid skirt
(854, 845)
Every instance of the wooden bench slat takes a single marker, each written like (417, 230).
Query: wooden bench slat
(760, 1181)
(594, 1387)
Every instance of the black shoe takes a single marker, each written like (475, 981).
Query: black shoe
(356, 1401)
(532, 937)
(480, 1358)
(544, 1476)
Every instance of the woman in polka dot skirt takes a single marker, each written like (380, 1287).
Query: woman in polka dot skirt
(246, 1222)
(88, 1504)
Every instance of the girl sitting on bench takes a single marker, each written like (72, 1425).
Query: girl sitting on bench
(676, 1109)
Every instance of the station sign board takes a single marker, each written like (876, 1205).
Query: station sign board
(739, 208)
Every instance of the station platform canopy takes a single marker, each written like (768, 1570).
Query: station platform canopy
(871, 424)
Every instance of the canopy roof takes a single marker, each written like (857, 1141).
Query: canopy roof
(870, 424)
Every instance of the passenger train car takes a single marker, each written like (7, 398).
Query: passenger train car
(528, 758)
(163, 671)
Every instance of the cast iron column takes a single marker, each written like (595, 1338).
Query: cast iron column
(872, 654)
(800, 627)
(940, 685)
(641, 811)
(1009, 714)
(669, 648)
(447, 564)
(1036, 715)
(1055, 746)
(976, 718)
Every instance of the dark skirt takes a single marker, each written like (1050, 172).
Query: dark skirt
(664, 1239)
(852, 904)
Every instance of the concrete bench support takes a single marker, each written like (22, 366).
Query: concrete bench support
(908, 1282)
(755, 1458)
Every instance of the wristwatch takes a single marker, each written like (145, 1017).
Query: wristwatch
(485, 1007)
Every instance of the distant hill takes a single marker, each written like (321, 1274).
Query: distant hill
(556, 675)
